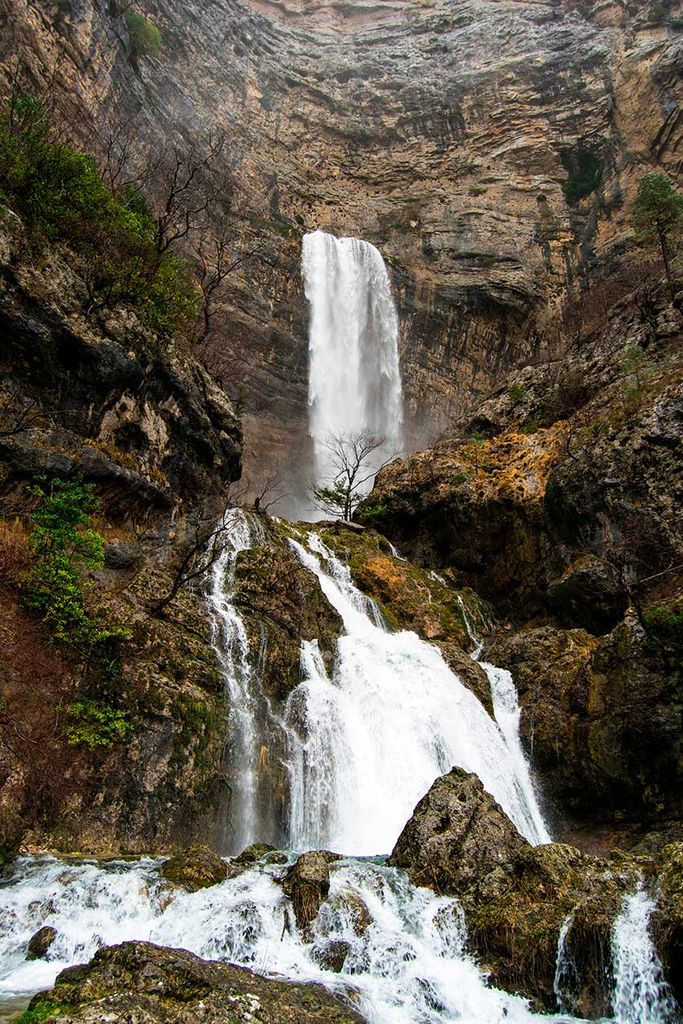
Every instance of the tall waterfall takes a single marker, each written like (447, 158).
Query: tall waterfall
(354, 377)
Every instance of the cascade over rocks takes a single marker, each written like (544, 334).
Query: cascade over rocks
(517, 897)
(154, 985)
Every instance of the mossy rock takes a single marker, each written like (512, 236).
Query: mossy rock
(142, 982)
(198, 867)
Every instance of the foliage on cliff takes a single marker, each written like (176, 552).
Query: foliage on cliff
(61, 195)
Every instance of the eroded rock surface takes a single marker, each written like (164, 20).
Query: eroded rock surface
(154, 985)
(195, 868)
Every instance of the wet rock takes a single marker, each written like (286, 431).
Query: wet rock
(137, 981)
(195, 868)
(667, 921)
(344, 908)
(516, 897)
(603, 716)
(307, 883)
(331, 955)
(40, 942)
(254, 853)
(457, 837)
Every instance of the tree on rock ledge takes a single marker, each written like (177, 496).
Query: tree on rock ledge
(658, 209)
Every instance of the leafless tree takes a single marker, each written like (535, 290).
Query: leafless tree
(17, 413)
(216, 261)
(185, 194)
(205, 543)
(354, 460)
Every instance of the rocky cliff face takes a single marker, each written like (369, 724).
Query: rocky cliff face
(490, 149)
(99, 398)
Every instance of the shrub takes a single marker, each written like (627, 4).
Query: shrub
(517, 393)
(585, 174)
(145, 37)
(664, 625)
(93, 724)
(65, 544)
(61, 195)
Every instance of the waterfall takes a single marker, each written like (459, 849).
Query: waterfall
(354, 377)
(390, 720)
(641, 996)
(565, 968)
(239, 824)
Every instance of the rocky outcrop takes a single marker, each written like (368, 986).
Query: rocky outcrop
(457, 837)
(97, 397)
(516, 898)
(152, 985)
(283, 606)
(603, 718)
(195, 868)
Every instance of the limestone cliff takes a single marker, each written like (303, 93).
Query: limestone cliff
(98, 398)
(491, 149)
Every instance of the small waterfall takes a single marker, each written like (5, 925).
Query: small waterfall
(375, 736)
(641, 996)
(239, 825)
(507, 712)
(354, 377)
(565, 969)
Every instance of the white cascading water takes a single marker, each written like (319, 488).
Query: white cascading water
(408, 967)
(354, 382)
(507, 713)
(641, 996)
(391, 719)
(231, 644)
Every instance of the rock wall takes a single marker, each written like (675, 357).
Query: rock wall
(444, 132)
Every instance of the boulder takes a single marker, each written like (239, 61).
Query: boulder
(137, 981)
(254, 853)
(331, 955)
(195, 868)
(307, 884)
(40, 942)
(457, 837)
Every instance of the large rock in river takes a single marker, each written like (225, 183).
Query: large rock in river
(148, 984)
(458, 835)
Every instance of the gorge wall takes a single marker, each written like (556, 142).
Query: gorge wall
(490, 149)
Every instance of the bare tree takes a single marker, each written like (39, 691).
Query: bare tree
(215, 261)
(203, 546)
(354, 460)
(185, 194)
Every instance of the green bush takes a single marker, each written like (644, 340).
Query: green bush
(61, 195)
(145, 37)
(664, 624)
(93, 724)
(65, 544)
(40, 1012)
